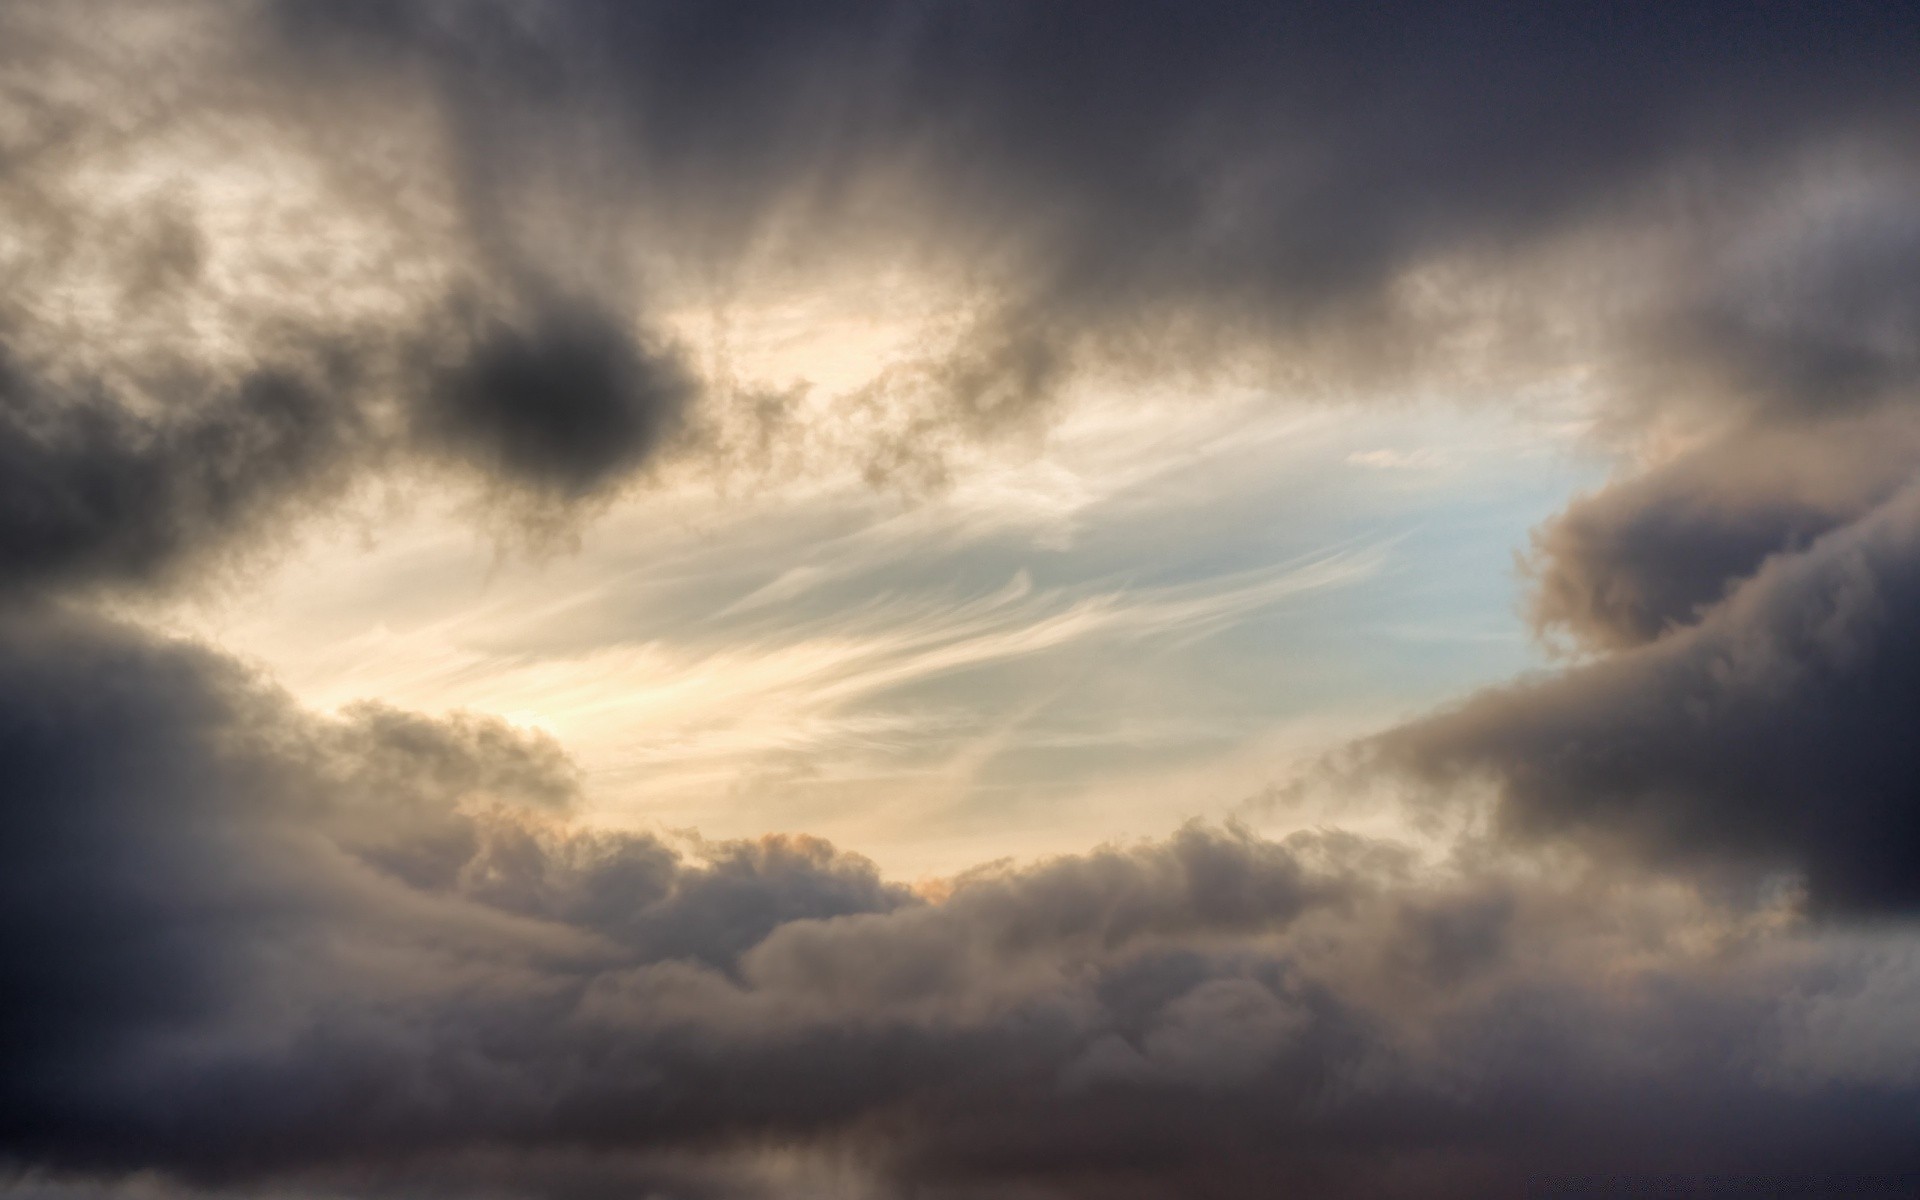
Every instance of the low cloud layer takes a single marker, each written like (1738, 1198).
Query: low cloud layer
(256, 950)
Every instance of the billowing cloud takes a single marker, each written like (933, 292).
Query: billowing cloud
(1769, 729)
(257, 949)
(1651, 553)
(1744, 597)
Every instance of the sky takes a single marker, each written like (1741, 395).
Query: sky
(1099, 637)
(925, 600)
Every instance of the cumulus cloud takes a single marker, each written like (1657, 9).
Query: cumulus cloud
(255, 949)
(1740, 599)
(1770, 728)
(1652, 552)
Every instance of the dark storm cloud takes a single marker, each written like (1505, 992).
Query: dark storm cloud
(1775, 727)
(263, 952)
(1652, 552)
(1141, 188)
(565, 408)
(1165, 183)
(91, 492)
(212, 899)
(102, 484)
(1747, 595)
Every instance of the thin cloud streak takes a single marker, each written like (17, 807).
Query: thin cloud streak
(812, 687)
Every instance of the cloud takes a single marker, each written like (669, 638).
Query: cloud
(225, 309)
(1424, 458)
(91, 492)
(464, 227)
(1768, 729)
(1650, 553)
(259, 950)
(1339, 202)
(1741, 598)
(198, 873)
(565, 409)
(1128, 179)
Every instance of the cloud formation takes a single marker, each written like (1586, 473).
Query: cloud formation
(566, 408)
(1335, 201)
(262, 253)
(255, 949)
(1743, 598)
(1125, 180)
(91, 493)
(1772, 727)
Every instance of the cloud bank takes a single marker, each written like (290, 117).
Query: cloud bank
(256, 949)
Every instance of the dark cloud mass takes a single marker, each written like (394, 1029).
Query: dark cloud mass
(1109, 166)
(1324, 194)
(1777, 725)
(253, 254)
(255, 949)
(91, 493)
(1746, 599)
(565, 408)
(1652, 553)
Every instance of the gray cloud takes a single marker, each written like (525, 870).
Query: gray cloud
(1744, 597)
(258, 951)
(1144, 190)
(1327, 195)
(1771, 728)
(224, 307)
(564, 409)
(198, 874)
(1650, 553)
(91, 492)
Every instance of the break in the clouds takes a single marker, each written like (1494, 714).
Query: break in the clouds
(265, 262)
